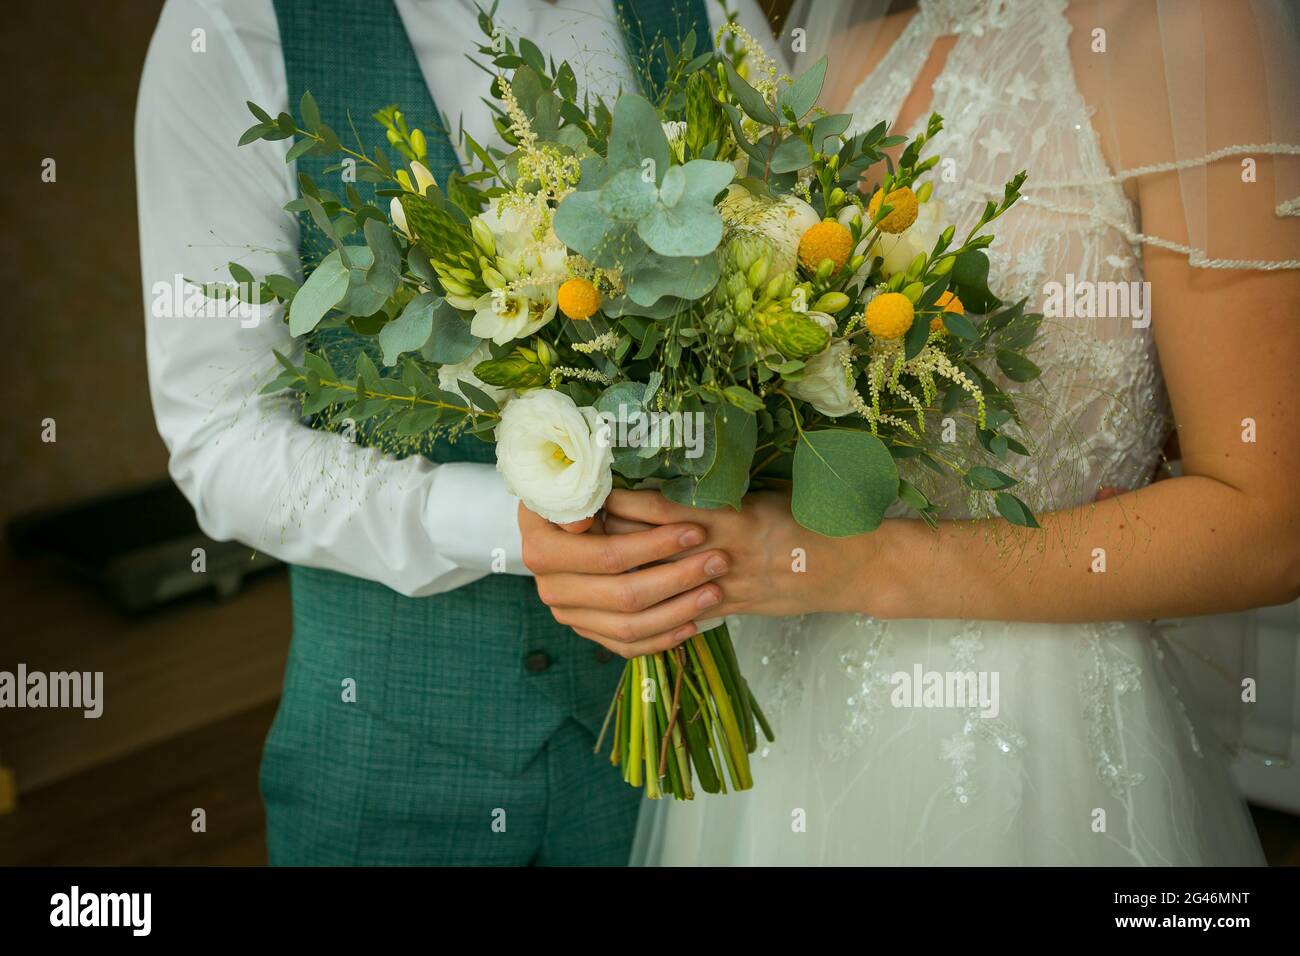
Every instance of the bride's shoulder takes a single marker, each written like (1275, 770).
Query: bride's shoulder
(856, 50)
(1139, 67)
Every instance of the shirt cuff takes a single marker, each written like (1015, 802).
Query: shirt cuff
(473, 520)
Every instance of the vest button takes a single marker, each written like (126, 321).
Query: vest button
(537, 661)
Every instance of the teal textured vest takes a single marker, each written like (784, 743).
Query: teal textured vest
(483, 670)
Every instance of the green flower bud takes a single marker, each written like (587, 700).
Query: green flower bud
(923, 193)
(726, 323)
(493, 278)
(736, 284)
(419, 143)
(944, 265)
(758, 272)
(546, 353)
(917, 265)
(825, 269)
(775, 288)
(512, 371)
(947, 234)
(913, 291)
(837, 194)
(483, 236)
(744, 302)
(831, 302)
(394, 137)
(796, 336)
(856, 263)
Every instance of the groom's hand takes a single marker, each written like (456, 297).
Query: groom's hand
(612, 589)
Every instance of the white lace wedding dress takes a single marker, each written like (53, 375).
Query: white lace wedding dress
(1093, 758)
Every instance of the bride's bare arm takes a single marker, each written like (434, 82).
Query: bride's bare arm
(1223, 536)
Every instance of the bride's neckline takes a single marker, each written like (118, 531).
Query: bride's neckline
(954, 17)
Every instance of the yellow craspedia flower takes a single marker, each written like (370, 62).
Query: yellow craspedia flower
(949, 303)
(904, 214)
(889, 316)
(826, 240)
(578, 298)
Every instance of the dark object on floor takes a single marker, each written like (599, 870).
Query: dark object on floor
(142, 546)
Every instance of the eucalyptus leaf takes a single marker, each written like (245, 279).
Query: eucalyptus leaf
(637, 136)
(801, 95)
(409, 331)
(451, 340)
(324, 289)
(844, 480)
(1015, 510)
(987, 479)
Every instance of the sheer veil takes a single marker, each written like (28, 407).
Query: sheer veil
(1201, 55)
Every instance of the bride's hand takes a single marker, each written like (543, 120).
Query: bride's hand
(778, 568)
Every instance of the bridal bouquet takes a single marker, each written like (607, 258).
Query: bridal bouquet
(689, 293)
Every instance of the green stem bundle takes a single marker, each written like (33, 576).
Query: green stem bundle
(680, 716)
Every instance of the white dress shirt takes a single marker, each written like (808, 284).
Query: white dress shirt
(251, 470)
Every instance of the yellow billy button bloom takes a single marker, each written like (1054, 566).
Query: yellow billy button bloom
(889, 315)
(578, 298)
(904, 212)
(949, 303)
(826, 240)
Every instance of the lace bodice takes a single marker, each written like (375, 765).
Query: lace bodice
(1098, 415)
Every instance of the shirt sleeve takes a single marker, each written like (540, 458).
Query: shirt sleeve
(251, 470)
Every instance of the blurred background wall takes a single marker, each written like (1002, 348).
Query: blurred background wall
(98, 791)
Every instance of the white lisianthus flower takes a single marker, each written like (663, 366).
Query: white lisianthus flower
(504, 316)
(513, 225)
(450, 375)
(823, 384)
(555, 457)
(675, 131)
(781, 222)
(899, 251)
(534, 271)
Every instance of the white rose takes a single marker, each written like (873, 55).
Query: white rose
(823, 384)
(505, 316)
(555, 457)
(782, 222)
(449, 377)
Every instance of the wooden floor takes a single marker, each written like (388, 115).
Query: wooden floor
(137, 809)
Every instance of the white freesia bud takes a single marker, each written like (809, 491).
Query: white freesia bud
(823, 384)
(398, 215)
(423, 178)
(554, 456)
